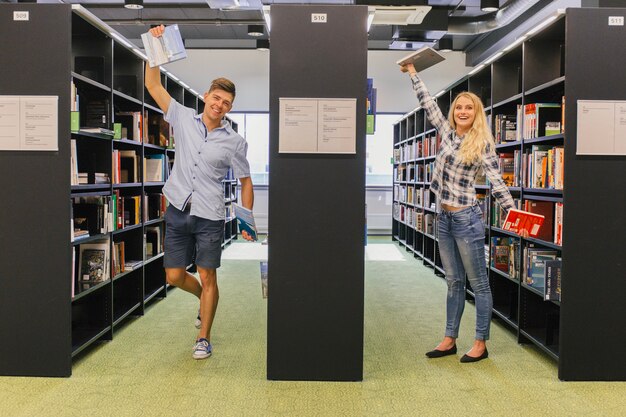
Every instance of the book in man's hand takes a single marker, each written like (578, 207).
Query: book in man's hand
(164, 49)
(245, 219)
(518, 220)
(421, 59)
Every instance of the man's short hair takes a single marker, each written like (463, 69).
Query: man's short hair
(223, 84)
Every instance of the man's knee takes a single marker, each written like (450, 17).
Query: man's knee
(175, 276)
(208, 277)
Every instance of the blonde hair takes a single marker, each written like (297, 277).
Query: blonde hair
(479, 136)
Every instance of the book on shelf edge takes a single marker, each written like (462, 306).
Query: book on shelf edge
(421, 59)
(166, 48)
(245, 219)
(518, 220)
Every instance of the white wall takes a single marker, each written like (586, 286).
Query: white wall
(394, 92)
(249, 70)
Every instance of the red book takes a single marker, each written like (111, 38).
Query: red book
(545, 209)
(518, 220)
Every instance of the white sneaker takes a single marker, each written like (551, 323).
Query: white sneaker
(198, 322)
(202, 349)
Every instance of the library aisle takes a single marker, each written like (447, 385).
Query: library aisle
(149, 371)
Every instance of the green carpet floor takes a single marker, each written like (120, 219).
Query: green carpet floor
(147, 370)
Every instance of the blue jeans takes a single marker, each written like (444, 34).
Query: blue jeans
(462, 249)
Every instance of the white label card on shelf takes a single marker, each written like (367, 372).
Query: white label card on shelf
(616, 20)
(317, 125)
(601, 127)
(29, 123)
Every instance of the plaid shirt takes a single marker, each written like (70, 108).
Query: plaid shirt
(453, 181)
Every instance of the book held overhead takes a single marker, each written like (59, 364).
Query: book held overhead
(421, 59)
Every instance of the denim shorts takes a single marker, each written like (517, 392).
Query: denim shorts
(190, 237)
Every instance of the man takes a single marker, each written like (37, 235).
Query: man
(206, 147)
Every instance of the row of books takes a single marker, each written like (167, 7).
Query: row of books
(552, 212)
(97, 263)
(125, 167)
(423, 222)
(154, 241)
(541, 119)
(540, 167)
(534, 266)
(93, 215)
(530, 121)
(417, 196)
(505, 128)
(414, 172)
(93, 115)
(154, 246)
(420, 148)
(543, 167)
(542, 267)
(94, 265)
(143, 127)
(505, 253)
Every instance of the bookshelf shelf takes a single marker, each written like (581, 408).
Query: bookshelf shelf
(550, 84)
(123, 312)
(507, 145)
(503, 274)
(128, 228)
(552, 66)
(121, 275)
(155, 147)
(533, 290)
(92, 289)
(544, 243)
(544, 139)
(541, 191)
(118, 94)
(83, 79)
(83, 338)
(127, 185)
(153, 294)
(507, 101)
(154, 258)
(504, 316)
(90, 190)
(551, 350)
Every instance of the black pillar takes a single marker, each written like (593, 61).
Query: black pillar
(317, 202)
(35, 248)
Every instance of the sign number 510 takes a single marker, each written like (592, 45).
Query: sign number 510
(318, 18)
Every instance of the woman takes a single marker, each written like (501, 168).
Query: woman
(466, 146)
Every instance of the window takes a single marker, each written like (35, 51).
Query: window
(379, 150)
(255, 127)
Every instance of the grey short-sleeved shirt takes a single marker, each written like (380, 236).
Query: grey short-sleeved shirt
(202, 161)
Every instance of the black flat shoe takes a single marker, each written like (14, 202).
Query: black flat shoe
(441, 353)
(468, 359)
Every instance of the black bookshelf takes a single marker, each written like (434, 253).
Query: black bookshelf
(37, 246)
(552, 64)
